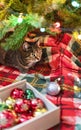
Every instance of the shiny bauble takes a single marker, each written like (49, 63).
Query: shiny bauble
(17, 93)
(77, 81)
(29, 94)
(53, 88)
(3, 106)
(21, 105)
(77, 95)
(23, 118)
(37, 112)
(7, 118)
(10, 102)
(37, 103)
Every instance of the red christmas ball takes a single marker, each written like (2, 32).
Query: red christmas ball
(17, 93)
(37, 103)
(23, 118)
(7, 118)
(22, 105)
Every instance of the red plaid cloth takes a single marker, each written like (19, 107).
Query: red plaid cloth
(60, 59)
(7, 75)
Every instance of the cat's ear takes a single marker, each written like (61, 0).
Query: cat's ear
(25, 46)
(38, 42)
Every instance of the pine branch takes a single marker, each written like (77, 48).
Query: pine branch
(16, 39)
(29, 23)
(7, 25)
(69, 18)
(18, 6)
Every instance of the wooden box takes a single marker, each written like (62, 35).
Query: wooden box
(43, 122)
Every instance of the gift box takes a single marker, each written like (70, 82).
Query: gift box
(42, 122)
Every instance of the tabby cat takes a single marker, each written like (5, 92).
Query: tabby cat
(24, 58)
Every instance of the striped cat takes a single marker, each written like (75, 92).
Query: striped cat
(24, 58)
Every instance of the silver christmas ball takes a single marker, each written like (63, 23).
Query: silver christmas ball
(77, 95)
(53, 88)
(77, 81)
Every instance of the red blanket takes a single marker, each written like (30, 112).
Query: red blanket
(61, 59)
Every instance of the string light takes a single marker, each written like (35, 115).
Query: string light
(75, 4)
(42, 29)
(80, 107)
(79, 36)
(57, 25)
(20, 19)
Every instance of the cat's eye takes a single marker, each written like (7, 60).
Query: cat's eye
(35, 56)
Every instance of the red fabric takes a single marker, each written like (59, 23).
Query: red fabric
(60, 62)
(7, 75)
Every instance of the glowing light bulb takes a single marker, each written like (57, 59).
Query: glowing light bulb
(59, 79)
(80, 107)
(75, 4)
(42, 29)
(77, 79)
(20, 19)
(57, 24)
(79, 36)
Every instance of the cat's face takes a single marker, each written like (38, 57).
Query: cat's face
(31, 53)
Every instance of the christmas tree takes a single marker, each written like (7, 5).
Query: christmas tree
(23, 16)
